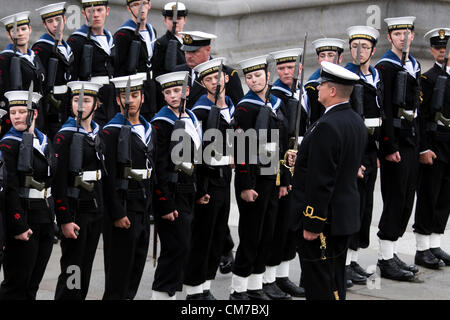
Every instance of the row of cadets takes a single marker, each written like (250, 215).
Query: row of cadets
(126, 63)
(2, 198)
(56, 100)
(129, 160)
(256, 190)
(104, 52)
(175, 190)
(369, 108)
(28, 69)
(29, 204)
(78, 204)
(210, 223)
(432, 206)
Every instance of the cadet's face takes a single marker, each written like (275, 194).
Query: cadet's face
(181, 21)
(438, 53)
(88, 104)
(328, 56)
(134, 7)
(136, 98)
(366, 50)
(256, 80)
(396, 38)
(51, 24)
(194, 58)
(23, 34)
(98, 16)
(18, 116)
(286, 72)
(210, 81)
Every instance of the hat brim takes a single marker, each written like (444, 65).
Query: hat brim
(190, 48)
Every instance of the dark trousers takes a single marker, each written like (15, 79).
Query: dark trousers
(323, 279)
(175, 238)
(256, 225)
(433, 205)
(25, 263)
(208, 235)
(79, 252)
(126, 255)
(398, 186)
(366, 188)
(284, 240)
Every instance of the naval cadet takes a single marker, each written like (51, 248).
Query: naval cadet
(432, 206)
(57, 59)
(325, 193)
(78, 190)
(2, 197)
(400, 73)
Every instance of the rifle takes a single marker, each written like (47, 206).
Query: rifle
(88, 52)
(135, 47)
(52, 70)
(291, 104)
(402, 77)
(25, 162)
(214, 114)
(14, 68)
(76, 154)
(437, 101)
(358, 88)
(172, 47)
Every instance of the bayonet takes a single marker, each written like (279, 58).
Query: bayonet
(127, 99)
(358, 57)
(15, 34)
(296, 74)
(218, 88)
(58, 34)
(139, 19)
(175, 18)
(405, 47)
(446, 57)
(91, 13)
(30, 96)
(183, 94)
(270, 63)
(80, 107)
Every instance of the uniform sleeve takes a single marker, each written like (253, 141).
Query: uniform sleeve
(425, 114)
(321, 176)
(76, 43)
(44, 56)
(234, 87)
(122, 42)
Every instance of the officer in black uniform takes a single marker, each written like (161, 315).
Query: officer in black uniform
(366, 103)
(78, 190)
(98, 67)
(2, 197)
(398, 147)
(255, 180)
(432, 207)
(55, 95)
(127, 39)
(325, 193)
(29, 204)
(162, 55)
(29, 67)
(176, 189)
(210, 221)
(127, 190)
(197, 48)
(327, 49)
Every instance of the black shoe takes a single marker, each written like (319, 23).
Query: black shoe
(226, 263)
(390, 270)
(239, 296)
(208, 295)
(426, 259)
(360, 270)
(197, 296)
(355, 277)
(349, 283)
(441, 254)
(257, 295)
(412, 268)
(274, 292)
(289, 287)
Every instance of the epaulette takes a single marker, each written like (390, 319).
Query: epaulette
(424, 76)
(233, 72)
(310, 87)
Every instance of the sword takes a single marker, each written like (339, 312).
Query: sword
(299, 112)
(446, 57)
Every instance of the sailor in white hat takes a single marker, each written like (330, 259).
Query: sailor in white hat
(75, 143)
(432, 210)
(398, 145)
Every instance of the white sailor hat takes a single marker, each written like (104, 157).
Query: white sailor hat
(284, 56)
(328, 44)
(400, 23)
(21, 18)
(136, 82)
(193, 40)
(20, 98)
(52, 10)
(438, 36)
(172, 79)
(90, 88)
(334, 73)
(210, 66)
(363, 32)
(254, 64)
(170, 7)
(88, 3)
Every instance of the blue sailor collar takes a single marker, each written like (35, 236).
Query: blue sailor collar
(46, 38)
(117, 122)
(165, 114)
(314, 77)
(13, 134)
(71, 125)
(354, 68)
(28, 56)
(131, 25)
(252, 97)
(205, 103)
(391, 57)
(83, 31)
